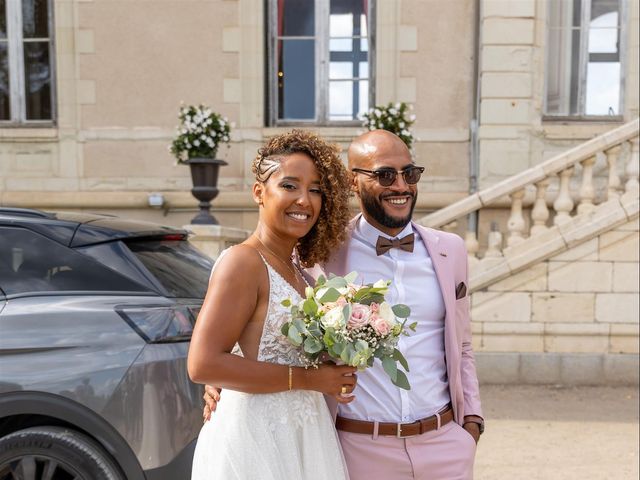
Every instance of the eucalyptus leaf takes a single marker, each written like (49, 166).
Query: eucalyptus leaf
(285, 328)
(310, 307)
(300, 325)
(347, 354)
(336, 282)
(331, 295)
(312, 345)
(402, 381)
(389, 365)
(294, 336)
(338, 347)
(351, 277)
(321, 281)
(397, 355)
(401, 310)
(286, 302)
(314, 329)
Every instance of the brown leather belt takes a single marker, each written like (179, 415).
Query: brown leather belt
(399, 430)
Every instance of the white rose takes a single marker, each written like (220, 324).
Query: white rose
(384, 311)
(333, 318)
(380, 284)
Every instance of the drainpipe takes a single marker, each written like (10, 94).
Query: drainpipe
(474, 160)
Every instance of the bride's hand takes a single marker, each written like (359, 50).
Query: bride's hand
(211, 398)
(339, 381)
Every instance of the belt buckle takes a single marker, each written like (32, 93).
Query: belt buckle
(399, 430)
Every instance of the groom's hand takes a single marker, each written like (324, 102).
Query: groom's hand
(211, 398)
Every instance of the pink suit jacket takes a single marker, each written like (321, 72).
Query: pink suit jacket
(449, 256)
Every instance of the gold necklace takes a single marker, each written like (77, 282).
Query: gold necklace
(289, 267)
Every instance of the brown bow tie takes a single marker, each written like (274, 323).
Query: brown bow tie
(384, 244)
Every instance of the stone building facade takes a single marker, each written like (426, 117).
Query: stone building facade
(498, 87)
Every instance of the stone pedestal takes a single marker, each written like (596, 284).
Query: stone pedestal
(213, 239)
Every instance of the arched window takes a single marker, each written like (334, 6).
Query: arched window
(584, 60)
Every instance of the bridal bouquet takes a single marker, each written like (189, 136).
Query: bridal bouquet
(351, 324)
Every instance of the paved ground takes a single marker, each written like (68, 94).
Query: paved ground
(553, 433)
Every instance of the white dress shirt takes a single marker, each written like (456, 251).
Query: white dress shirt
(414, 283)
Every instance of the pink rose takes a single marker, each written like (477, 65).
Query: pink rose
(379, 324)
(374, 307)
(359, 316)
(340, 302)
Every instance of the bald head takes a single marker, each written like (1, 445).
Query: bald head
(376, 143)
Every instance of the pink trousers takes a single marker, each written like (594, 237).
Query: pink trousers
(444, 454)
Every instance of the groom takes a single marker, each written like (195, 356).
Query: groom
(430, 431)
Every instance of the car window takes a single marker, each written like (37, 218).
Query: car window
(181, 268)
(30, 262)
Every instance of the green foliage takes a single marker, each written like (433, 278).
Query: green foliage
(320, 326)
(401, 311)
(393, 118)
(199, 133)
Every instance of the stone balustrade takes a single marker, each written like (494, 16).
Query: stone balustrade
(551, 230)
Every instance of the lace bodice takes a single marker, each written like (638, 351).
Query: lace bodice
(274, 346)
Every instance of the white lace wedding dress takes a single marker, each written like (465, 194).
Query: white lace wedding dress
(275, 436)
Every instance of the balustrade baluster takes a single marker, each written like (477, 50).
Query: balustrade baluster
(633, 169)
(471, 242)
(540, 212)
(494, 242)
(516, 223)
(587, 192)
(563, 204)
(613, 189)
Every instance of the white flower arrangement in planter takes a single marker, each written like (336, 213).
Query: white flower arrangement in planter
(393, 117)
(200, 133)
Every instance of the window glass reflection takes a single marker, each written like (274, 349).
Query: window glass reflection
(5, 103)
(603, 34)
(296, 18)
(35, 19)
(340, 70)
(341, 100)
(3, 19)
(296, 79)
(37, 80)
(603, 88)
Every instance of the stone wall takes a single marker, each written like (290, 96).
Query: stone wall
(573, 318)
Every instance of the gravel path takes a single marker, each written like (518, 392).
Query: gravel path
(559, 433)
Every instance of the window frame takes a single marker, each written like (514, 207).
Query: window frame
(15, 50)
(322, 55)
(582, 116)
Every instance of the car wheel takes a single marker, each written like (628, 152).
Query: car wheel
(54, 453)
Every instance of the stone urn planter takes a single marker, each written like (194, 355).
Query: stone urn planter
(204, 175)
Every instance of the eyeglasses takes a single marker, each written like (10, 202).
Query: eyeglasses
(387, 176)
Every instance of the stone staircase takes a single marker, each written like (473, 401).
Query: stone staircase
(559, 303)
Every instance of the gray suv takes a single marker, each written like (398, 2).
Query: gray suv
(96, 313)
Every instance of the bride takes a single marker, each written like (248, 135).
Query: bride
(274, 423)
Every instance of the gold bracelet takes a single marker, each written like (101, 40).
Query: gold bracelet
(290, 378)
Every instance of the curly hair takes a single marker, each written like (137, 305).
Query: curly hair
(330, 229)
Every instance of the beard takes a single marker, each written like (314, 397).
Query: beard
(373, 206)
